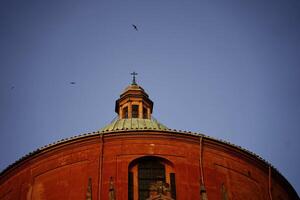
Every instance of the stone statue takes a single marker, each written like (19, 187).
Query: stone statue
(159, 191)
(111, 194)
(89, 190)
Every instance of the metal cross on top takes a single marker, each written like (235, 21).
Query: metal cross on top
(133, 77)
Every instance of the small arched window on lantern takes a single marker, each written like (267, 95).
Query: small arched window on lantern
(135, 111)
(145, 113)
(125, 113)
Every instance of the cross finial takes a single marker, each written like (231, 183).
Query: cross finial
(133, 78)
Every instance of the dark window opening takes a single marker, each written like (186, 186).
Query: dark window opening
(130, 186)
(145, 114)
(125, 112)
(149, 171)
(173, 185)
(135, 111)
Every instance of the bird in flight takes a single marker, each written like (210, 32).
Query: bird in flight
(12, 87)
(135, 27)
(72, 83)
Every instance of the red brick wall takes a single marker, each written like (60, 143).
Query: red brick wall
(62, 171)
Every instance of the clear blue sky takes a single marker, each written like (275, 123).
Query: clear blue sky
(229, 69)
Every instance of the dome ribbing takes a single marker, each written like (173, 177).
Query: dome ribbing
(134, 124)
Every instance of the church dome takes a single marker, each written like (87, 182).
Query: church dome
(133, 87)
(133, 124)
(135, 157)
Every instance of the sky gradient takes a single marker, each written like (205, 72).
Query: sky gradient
(228, 69)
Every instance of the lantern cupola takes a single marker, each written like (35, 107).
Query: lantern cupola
(134, 102)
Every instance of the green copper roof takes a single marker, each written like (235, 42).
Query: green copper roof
(133, 124)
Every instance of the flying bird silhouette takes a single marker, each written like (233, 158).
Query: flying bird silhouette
(135, 27)
(72, 83)
(12, 87)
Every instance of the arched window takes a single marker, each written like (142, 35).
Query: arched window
(149, 171)
(135, 111)
(125, 113)
(145, 113)
(146, 175)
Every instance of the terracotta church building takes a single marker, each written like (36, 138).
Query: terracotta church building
(138, 158)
